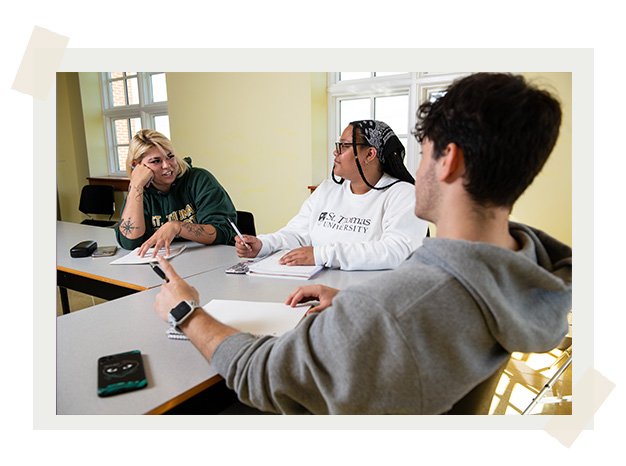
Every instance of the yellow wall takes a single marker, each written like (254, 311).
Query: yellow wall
(72, 166)
(263, 135)
(547, 203)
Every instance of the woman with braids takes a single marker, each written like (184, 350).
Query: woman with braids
(168, 199)
(362, 219)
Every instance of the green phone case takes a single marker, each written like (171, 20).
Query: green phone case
(119, 373)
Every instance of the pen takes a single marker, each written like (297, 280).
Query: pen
(232, 224)
(159, 272)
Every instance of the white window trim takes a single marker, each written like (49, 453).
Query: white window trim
(418, 85)
(145, 111)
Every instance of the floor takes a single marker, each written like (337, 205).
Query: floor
(522, 380)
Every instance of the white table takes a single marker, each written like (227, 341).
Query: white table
(175, 370)
(97, 277)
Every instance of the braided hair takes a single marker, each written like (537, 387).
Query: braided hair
(389, 150)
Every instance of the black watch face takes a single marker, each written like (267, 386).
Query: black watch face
(180, 311)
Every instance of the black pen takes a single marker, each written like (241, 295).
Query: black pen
(159, 272)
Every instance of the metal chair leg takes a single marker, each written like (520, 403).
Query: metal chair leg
(548, 386)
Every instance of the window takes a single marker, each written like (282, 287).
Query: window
(131, 101)
(392, 97)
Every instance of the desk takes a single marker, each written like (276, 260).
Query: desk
(119, 183)
(96, 277)
(175, 370)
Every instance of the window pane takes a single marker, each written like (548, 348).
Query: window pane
(352, 110)
(162, 125)
(123, 136)
(116, 74)
(135, 125)
(118, 93)
(393, 111)
(133, 91)
(390, 73)
(435, 95)
(159, 90)
(121, 132)
(346, 76)
(122, 154)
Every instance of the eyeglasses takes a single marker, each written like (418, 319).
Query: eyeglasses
(341, 146)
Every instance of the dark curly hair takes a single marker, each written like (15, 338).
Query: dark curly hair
(505, 127)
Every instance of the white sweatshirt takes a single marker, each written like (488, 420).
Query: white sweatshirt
(375, 230)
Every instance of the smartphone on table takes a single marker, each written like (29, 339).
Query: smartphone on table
(104, 251)
(119, 373)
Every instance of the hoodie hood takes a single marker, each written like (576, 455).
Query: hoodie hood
(522, 315)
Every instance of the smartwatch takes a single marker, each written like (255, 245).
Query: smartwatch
(181, 312)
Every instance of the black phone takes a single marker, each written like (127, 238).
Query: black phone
(119, 373)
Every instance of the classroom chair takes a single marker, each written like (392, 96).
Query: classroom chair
(565, 360)
(245, 223)
(97, 199)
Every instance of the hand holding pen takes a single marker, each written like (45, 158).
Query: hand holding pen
(159, 271)
(232, 224)
(246, 245)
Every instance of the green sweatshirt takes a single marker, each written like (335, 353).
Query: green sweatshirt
(195, 197)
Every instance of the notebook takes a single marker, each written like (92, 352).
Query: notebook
(269, 266)
(257, 318)
(133, 258)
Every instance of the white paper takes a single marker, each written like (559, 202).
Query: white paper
(133, 258)
(270, 266)
(258, 318)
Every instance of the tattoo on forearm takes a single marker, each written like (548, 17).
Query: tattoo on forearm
(127, 227)
(197, 230)
(139, 190)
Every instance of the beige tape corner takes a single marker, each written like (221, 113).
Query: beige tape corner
(592, 390)
(40, 62)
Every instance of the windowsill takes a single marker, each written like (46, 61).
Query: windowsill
(119, 182)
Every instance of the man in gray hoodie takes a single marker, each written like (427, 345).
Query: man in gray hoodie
(417, 339)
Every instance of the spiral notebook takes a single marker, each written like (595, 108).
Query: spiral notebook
(269, 266)
(257, 318)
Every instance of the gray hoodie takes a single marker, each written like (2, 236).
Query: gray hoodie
(416, 339)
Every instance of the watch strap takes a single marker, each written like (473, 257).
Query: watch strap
(174, 323)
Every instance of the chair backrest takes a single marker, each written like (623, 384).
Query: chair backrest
(245, 223)
(478, 400)
(97, 199)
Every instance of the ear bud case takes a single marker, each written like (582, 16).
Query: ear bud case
(83, 249)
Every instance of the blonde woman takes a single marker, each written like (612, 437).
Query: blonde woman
(168, 198)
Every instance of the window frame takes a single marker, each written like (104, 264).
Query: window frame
(419, 86)
(146, 110)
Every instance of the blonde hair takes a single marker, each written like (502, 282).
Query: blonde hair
(146, 139)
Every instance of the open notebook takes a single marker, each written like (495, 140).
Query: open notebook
(269, 266)
(133, 258)
(258, 318)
